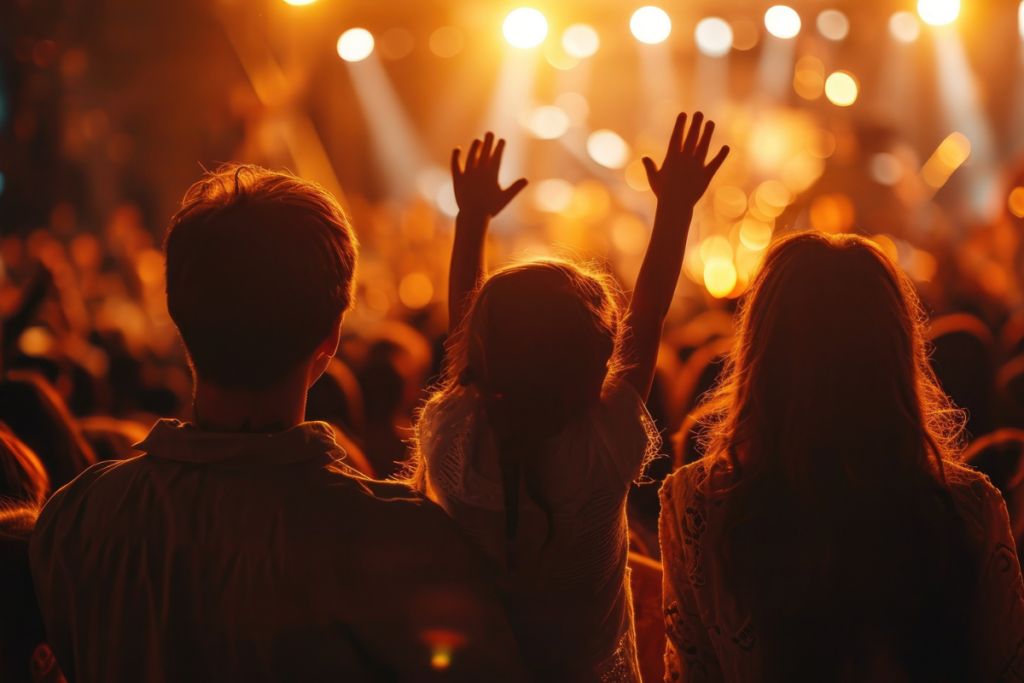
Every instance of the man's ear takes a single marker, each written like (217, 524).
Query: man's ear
(325, 352)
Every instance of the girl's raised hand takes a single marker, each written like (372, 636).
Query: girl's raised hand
(685, 174)
(476, 186)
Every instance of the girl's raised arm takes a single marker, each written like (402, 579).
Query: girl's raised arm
(480, 198)
(682, 180)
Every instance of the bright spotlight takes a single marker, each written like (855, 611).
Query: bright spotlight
(833, 24)
(355, 45)
(714, 37)
(580, 41)
(1020, 19)
(525, 28)
(782, 21)
(650, 25)
(607, 148)
(904, 27)
(841, 88)
(938, 12)
(299, 3)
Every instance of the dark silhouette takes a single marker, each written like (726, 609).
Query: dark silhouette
(544, 392)
(830, 533)
(241, 546)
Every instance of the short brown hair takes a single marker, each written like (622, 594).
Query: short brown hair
(260, 266)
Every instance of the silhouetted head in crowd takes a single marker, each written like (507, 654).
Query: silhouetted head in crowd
(840, 535)
(25, 656)
(962, 361)
(539, 341)
(259, 274)
(33, 410)
(23, 479)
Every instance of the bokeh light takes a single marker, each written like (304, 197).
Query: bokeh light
(833, 24)
(949, 156)
(525, 28)
(938, 12)
(36, 341)
(714, 37)
(730, 201)
(650, 25)
(886, 168)
(629, 234)
(580, 41)
(553, 195)
(396, 43)
(809, 77)
(636, 176)
(744, 34)
(548, 123)
(754, 234)
(1020, 19)
(416, 290)
(715, 246)
(1015, 202)
(904, 27)
(832, 213)
(841, 88)
(719, 277)
(782, 21)
(771, 198)
(355, 44)
(299, 3)
(607, 148)
(447, 41)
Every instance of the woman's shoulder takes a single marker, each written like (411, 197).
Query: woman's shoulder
(693, 483)
(974, 495)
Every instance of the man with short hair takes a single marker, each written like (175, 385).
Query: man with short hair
(240, 546)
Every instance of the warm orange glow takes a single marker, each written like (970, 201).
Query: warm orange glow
(636, 176)
(832, 213)
(416, 290)
(719, 277)
(1016, 202)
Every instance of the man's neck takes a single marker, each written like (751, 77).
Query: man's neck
(217, 409)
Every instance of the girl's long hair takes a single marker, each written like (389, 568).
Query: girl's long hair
(543, 332)
(840, 537)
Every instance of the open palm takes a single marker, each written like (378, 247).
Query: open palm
(476, 186)
(685, 174)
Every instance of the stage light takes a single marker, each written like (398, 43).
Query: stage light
(1016, 202)
(1020, 19)
(833, 24)
(525, 28)
(782, 21)
(714, 37)
(607, 148)
(772, 198)
(841, 88)
(580, 41)
(938, 12)
(650, 25)
(446, 41)
(355, 45)
(715, 246)
(744, 35)
(904, 27)
(299, 3)
(553, 195)
(886, 168)
(548, 123)
(719, 277)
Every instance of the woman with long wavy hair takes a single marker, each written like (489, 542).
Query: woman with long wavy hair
(830, 533)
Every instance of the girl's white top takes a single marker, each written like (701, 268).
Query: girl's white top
(571, 605)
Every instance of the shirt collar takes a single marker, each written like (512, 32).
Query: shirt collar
(185, 442)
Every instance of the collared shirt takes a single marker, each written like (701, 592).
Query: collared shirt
(712, 640)
(259, 557)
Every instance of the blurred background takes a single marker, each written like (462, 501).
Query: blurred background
(887, 118)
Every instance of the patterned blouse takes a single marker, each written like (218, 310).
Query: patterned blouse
(711, 639)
